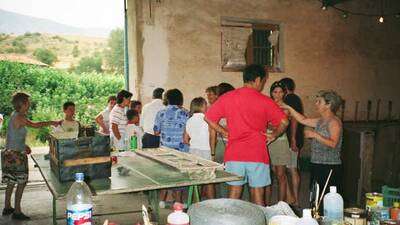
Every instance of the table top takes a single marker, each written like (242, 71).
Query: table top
(145, 175)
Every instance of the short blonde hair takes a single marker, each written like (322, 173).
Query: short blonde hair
(197, 104)
(19, 99)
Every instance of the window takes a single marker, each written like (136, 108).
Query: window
(247, 42)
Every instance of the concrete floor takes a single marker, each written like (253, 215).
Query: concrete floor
(37, 203)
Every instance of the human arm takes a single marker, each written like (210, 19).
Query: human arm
(293, 135)
(23, 121)
(278, 131)
(332, 141)
(115, 130)
(218, 128)
(310, 122)
(186, 138)
(100, 121)
(213, 142)
(157, 124)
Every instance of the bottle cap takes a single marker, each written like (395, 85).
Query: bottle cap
(178, 206)
(307, 213)
(396, 204)
(332, 189)
(79, 176)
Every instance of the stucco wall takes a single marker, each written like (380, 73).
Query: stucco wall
(179, 45)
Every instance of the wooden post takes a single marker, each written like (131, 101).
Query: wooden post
(356, 111)
(378, 106)
(390, 108)
(343, 108)
(369, 106)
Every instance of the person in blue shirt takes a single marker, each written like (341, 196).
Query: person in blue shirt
(170, 124)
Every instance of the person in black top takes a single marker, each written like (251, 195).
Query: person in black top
(296, 140)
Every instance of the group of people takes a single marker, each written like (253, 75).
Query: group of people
(259, 133)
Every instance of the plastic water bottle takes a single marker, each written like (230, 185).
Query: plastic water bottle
(307, 218)
(333, 205)
(133, 144)
(178, 217)
(79, 202)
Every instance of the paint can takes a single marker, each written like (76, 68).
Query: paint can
(355, 216)
(373, 200)
(378, 214)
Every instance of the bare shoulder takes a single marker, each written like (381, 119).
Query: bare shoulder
(335, 122)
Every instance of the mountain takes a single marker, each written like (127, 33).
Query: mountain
(11, 22)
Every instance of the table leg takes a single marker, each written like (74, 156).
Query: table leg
(154, 198)
(54, 211)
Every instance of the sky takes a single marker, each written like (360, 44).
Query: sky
(78, 13)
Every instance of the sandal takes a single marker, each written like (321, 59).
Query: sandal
(8, 211)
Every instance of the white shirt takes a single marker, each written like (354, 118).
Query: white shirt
(133, 130)
(118, 116)
(149, 113)
(197, 129)
(106, 117)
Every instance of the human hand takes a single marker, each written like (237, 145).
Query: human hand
(284, 106)
(56, 123)
(270, 137)
(293, 146)
(310, 134)
(28, 150)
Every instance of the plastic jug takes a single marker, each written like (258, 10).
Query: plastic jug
(333, 205)
(79, 202)
(307, 218)
(178, 217)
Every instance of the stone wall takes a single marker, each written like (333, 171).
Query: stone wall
(179, 46)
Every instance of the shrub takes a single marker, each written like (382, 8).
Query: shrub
(50, 88)
(45, 56)
(90, 64)
(75, 51)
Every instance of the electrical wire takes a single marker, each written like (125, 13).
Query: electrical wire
(348, 12)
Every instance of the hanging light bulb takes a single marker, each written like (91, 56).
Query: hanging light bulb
(324, 7)
(381, 20)
(397, 15)
(345, 15)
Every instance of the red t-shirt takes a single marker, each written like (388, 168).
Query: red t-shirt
(248, 113)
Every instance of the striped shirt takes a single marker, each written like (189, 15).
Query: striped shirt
(118, 117)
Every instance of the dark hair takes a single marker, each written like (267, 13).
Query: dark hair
(157, 93)
(196, 104)
(18, 99)
(123, 94)
(288, 83)
(130, 114)
(135, 103)
(251, 72)
(111, 98)
(276, 84)
(68, 104)
(223, 88)
(332, 98)
(174, 97)
(212, 89)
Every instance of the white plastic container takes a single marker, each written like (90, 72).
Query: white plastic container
(178, 217)
(307, 218)
(333, 205)
(283, 220)
(79, 202)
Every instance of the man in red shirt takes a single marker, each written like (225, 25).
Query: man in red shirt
(248, 113)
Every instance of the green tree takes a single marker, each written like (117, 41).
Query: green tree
(75, 51)
(45, 56)
(90, 64)
(114, 54)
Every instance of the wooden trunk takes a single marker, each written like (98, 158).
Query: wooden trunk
(89, 155)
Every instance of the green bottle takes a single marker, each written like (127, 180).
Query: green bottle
(133, 143)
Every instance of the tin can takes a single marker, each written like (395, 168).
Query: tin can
(373, 200)
(355, 216)
(378, 214)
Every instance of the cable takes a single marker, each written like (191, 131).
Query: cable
(348, 12)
